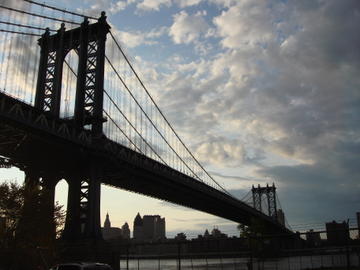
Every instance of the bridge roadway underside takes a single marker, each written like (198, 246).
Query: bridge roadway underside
(32, 139)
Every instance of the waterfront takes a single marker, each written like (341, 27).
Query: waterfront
(284, 263)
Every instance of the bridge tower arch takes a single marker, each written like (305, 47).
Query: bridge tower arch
(88, 41)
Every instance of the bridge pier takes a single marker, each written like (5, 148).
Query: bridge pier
(37, 223)
(83, 211)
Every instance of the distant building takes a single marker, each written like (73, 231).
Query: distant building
(337, 233)
(138, 228)
(313, 239)
(281, 217)
(358, 222)
(150, 227)
(216, 233)
(109, 232)
(125, 230)
(180, 237)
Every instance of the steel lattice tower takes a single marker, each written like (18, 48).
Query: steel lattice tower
(270, 193)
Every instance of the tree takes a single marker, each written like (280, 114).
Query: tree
(11, 202)
(12, 197)
(256, 229)
(27, 234)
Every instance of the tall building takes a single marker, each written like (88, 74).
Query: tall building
(150, 227)
(337, 233)
(138, 228)
(107, 223)
(125, 231)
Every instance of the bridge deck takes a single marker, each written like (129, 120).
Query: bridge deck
(31, 138)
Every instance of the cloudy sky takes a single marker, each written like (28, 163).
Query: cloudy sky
(260, 91)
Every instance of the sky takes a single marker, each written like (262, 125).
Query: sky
(260, 91)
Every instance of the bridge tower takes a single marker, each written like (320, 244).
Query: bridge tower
(88, 41)
(270, 193)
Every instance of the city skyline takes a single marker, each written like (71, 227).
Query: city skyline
(261, 92)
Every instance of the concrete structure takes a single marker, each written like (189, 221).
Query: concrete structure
(337, 233)
(150, 227)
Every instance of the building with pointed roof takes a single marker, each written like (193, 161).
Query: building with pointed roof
(109, 232)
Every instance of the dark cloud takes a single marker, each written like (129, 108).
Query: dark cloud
(292, 96)
(314, 192)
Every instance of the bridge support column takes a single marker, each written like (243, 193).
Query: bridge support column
(28, 228)
(37, 225)
(83, 212)
(72, 224)
(47, 198)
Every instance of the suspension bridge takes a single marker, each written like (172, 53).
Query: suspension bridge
(73, 107)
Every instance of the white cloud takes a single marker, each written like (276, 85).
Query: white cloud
(187, 3)
(188, 28)
(149, 5)
(133, 39)
(248, 23)
(221, 152)
(118, 6)
(224, 3)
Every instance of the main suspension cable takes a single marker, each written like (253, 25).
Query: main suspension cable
(61, 10)
(163, 116)
(38, 15)
(152, 123)
(127, 120)
(20, 33)
(26, 26)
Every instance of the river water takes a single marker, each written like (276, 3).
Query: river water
(288, 263)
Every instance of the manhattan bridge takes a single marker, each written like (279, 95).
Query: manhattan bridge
(73, 107)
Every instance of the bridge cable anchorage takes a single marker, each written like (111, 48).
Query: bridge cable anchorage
(152, 123)
(163, 116)
(61, 10)
(26, 26)
(20, 33)
(114, 122)
(38, 15)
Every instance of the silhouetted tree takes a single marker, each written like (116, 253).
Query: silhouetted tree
(11, 202)
(14, 210)
(27, 232)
